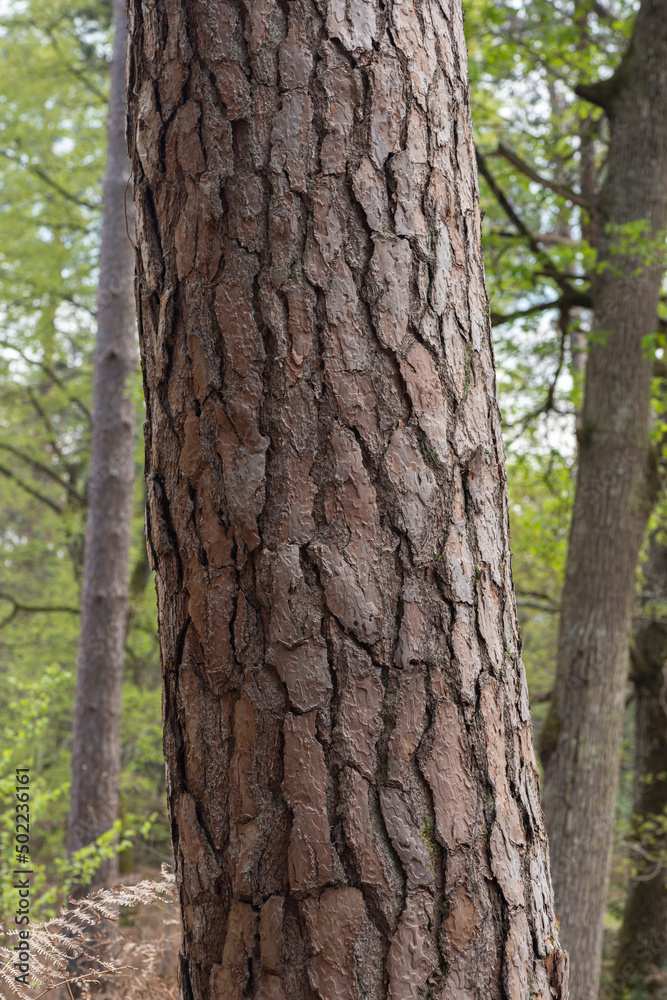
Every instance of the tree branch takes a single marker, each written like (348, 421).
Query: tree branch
(79, 73)
(533, 175)
(44, 469)
(497, 319)
(603, 92)
(575, 299)
(548, 239)
(43, 176)
(550, 609)
(8, 474)
(550, 269)
(603, 12)
(46, 420)
(79, 305)
(51, 374)
(540, 697)
(18, 608)
(549, 404)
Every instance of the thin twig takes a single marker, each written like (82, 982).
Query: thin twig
(30, 490)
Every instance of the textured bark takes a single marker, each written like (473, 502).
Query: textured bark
(351, 780)
(581, 739)
(104, 603)
(642, 949)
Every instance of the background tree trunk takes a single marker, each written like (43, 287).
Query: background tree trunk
(97, 713)
(582, 734)
(351, 780)
(642, 949)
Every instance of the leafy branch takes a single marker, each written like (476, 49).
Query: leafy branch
(19, 608)
(533, 175)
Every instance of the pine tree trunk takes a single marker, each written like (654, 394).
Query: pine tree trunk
(97, 713)
(642, 949)
(351, 780)
(582, 735)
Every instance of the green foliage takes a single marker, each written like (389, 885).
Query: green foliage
(543, 148)
(540, 494)
(53, 110)
(633, 239)
(27, 706)
(80, 867)
(53, 87)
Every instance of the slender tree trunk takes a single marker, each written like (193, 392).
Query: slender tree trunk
(582, 735)
(642, 949)
(97, 712)
(351, 780)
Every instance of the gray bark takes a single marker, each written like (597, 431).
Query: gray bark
(582, 734)
(97, 713)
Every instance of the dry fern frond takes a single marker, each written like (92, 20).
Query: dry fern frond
(140, 969)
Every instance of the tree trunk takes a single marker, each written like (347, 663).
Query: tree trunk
(642, 949)
(97, 713)
(582, 734)
(351, 780)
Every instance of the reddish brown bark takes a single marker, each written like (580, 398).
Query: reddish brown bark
(351, 780)
(104, 602)
(582, 736)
